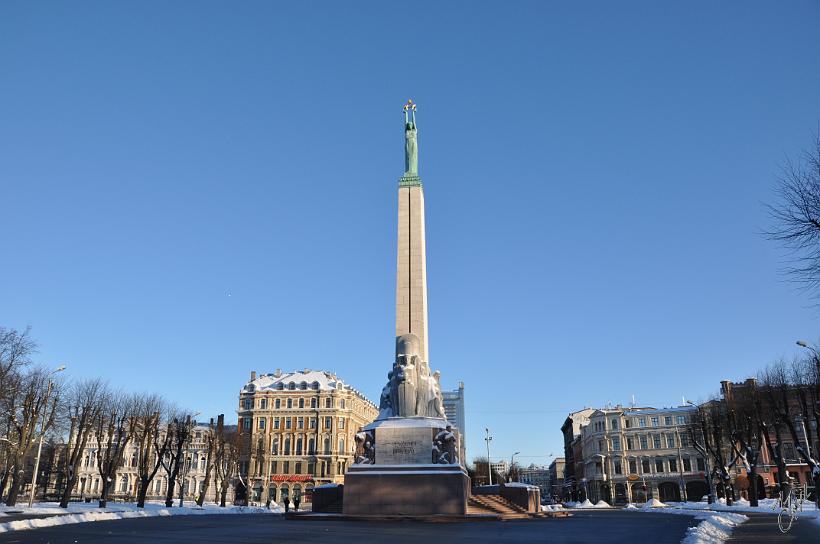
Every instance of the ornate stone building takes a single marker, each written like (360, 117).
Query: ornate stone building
(631, 454)
(298, 429)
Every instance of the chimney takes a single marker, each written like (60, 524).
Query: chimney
(277, 373)
(253, 375)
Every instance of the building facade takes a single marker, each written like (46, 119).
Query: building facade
(537, 476)
(633, 454)
(126, 480)
(454, 410)
(298, 429)
(571, 430)
(556, 478)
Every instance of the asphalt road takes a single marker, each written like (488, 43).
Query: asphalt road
(583, 527)
(763, 528)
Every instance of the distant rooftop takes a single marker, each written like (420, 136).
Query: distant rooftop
(299, 380)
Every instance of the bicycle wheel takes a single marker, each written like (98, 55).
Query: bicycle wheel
(785, 519)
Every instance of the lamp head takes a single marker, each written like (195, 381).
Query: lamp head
(802, 343)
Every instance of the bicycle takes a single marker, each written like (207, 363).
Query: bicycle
(790, 503)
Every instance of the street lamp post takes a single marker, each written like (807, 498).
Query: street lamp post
(488, 439)
(42, 434)
(512, 463)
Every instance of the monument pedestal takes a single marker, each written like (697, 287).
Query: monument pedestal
(406, 490)
(401, 477)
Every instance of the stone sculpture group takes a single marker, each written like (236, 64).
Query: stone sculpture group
(411, 390)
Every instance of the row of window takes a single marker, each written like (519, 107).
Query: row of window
(646, 442)
(297, 446)
(247, 403)
(654, 421)
(290, 423)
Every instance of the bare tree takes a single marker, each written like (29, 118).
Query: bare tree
(84, 401)
(16, 349)
(151, 444)
(32, 400)
(210, 445)
(178, 429)
(113, 433)
(226, 462)
(797, 216)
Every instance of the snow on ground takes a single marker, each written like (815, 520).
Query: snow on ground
(551, 508)
(714, 528)
(85, 512)
(653, 503)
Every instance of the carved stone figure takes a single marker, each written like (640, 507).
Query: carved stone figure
(365, 450)
(445, 445)
(411, 389)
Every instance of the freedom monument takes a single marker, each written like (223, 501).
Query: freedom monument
(407, 460)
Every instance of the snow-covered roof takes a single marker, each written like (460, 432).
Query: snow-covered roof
(300, 380)
(656, 411)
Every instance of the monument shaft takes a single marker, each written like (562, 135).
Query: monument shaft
(411, 268)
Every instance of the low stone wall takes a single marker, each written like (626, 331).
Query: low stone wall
(528, 497)
(327, 496)
(486, 490)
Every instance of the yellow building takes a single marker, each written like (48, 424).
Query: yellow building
(298, 429)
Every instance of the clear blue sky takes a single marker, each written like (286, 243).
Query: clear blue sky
(193, 190)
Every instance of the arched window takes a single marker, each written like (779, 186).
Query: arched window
(303, 386)
(301, 403)
(287, 446)
(328, 402)
(124, 484)
(311, 447)
(327, 445)
(298, 446)
(275, 446)
(341, 446)
(292, 386)
(313, 402)
(290, 403)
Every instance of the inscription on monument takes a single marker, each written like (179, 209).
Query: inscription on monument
(404, 445)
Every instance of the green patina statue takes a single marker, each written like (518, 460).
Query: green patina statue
(411, 148)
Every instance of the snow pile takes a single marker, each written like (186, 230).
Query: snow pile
(585, 504)
(602, 504)
(87, 512)
(653, 503)
(551, 508)
(714, 529)
(631, 506)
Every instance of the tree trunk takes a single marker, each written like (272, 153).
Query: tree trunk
(4, 482)
(14, 489)
(223, 495)
(142, 491)
(104, 492)
(69, 488)
(169, 495)
(753, 485)
(201, 499)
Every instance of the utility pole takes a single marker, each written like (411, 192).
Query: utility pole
(488, 439)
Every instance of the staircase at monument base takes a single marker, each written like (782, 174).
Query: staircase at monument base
(495, 505)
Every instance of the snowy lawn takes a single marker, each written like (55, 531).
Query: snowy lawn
(85, 512)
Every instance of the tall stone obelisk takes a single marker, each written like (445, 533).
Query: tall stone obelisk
(406, 460)
(411, 267)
